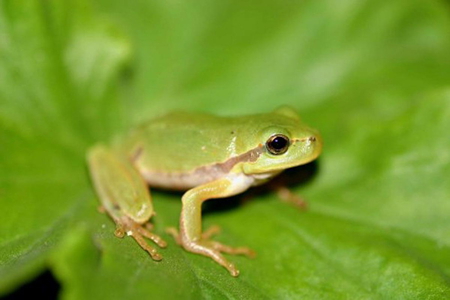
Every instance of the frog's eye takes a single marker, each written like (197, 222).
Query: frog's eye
(277, 144)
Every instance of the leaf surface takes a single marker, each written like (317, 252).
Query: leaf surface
(372, 76)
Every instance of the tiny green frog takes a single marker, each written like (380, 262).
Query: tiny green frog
(205, 155)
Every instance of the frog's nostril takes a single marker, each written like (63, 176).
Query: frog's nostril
(312, 139)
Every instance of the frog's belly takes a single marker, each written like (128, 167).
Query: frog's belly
(184, 180)
(177, 181)
(181, 181)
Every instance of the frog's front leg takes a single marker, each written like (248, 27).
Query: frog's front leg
(124, 196)
(191, 237)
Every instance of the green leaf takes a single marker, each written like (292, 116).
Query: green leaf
(373, 76)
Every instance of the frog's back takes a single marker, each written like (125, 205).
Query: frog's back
(182, 142)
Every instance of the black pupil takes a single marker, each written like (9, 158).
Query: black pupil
(278, 143)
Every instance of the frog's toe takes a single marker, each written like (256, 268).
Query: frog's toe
(138, 235)
(119, 232)
(154, 237)
(154, 254)
(174, 233)
(233, 271)
(206, 248)
(210, 232)
(286, 195)
(215, 249)
(233, 250)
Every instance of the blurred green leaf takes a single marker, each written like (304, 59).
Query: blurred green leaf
(373, 76)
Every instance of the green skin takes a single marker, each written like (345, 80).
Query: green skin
(205, 155)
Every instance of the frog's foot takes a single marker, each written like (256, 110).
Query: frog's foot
(138, 233)
(210, 248)
(214, 250)
(286, 195)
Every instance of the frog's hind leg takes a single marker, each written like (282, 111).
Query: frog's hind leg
(124, 196)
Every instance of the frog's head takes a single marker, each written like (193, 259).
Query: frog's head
(283, 142)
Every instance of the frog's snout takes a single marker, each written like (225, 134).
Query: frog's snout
(309, 140)
(315, 142)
